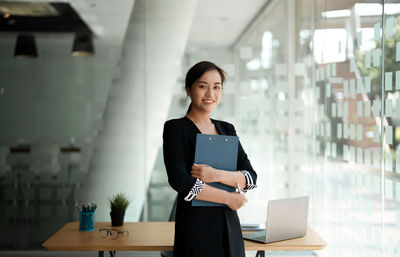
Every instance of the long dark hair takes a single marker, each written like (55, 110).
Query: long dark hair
(197, 71)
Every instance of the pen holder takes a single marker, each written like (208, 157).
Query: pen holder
(86, 221)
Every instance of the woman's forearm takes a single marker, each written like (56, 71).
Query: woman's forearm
(231, 199)
(212, 194)
(209, 174)
(231, 178)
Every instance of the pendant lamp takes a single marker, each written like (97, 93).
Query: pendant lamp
(25, 47)
(83, 45)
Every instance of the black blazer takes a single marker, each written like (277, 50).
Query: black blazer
(200, 231)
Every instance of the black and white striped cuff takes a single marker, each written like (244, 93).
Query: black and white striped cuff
(249, 181)
(197, 187)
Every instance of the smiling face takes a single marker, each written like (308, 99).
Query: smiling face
(206, 92)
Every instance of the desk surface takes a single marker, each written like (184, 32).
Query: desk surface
(153, 236)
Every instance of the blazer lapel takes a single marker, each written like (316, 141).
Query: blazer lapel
(220, 128)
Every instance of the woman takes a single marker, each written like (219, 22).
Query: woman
(204, 231)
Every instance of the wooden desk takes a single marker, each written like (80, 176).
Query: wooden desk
(154, 236)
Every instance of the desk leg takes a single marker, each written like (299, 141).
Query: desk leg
(260, 254)
(112, 253)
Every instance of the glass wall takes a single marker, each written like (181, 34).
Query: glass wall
(320, 113)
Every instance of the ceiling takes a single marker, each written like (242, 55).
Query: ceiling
(220, 23)
(40, 17)
(108, 21)
(28, 9)
(215, 24)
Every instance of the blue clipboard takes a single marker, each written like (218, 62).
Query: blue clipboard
(217, 151)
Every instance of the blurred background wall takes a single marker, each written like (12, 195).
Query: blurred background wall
(312, 89)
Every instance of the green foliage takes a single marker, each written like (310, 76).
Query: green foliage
(119, 203)
(375, 73)
(389, 59)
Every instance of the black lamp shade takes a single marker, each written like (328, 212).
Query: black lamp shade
(25, 47)
(83, 45)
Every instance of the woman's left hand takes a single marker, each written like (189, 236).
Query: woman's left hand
(205, 173)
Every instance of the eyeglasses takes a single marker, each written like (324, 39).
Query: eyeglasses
(113, 233)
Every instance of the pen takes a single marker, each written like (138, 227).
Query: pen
(86, 207)
(77, 207)
(239, 189)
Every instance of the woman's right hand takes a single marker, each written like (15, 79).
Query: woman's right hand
(235, 200)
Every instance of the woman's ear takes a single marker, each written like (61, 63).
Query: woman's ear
(188, 92)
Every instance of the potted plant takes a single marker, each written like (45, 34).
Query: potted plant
(118, 205)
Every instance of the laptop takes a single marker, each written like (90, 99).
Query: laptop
(286, 219)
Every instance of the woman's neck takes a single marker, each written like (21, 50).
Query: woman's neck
(199, 117)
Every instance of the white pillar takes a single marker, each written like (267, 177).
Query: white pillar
(137, 104)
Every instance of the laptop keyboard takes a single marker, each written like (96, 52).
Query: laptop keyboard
(261, 238)
(256, 235)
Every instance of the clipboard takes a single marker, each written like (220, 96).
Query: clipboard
(219, 152)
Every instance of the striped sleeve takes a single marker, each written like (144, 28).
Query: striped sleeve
(197, 187)
(249, 181)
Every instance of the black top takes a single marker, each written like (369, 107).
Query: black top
(200, 231)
